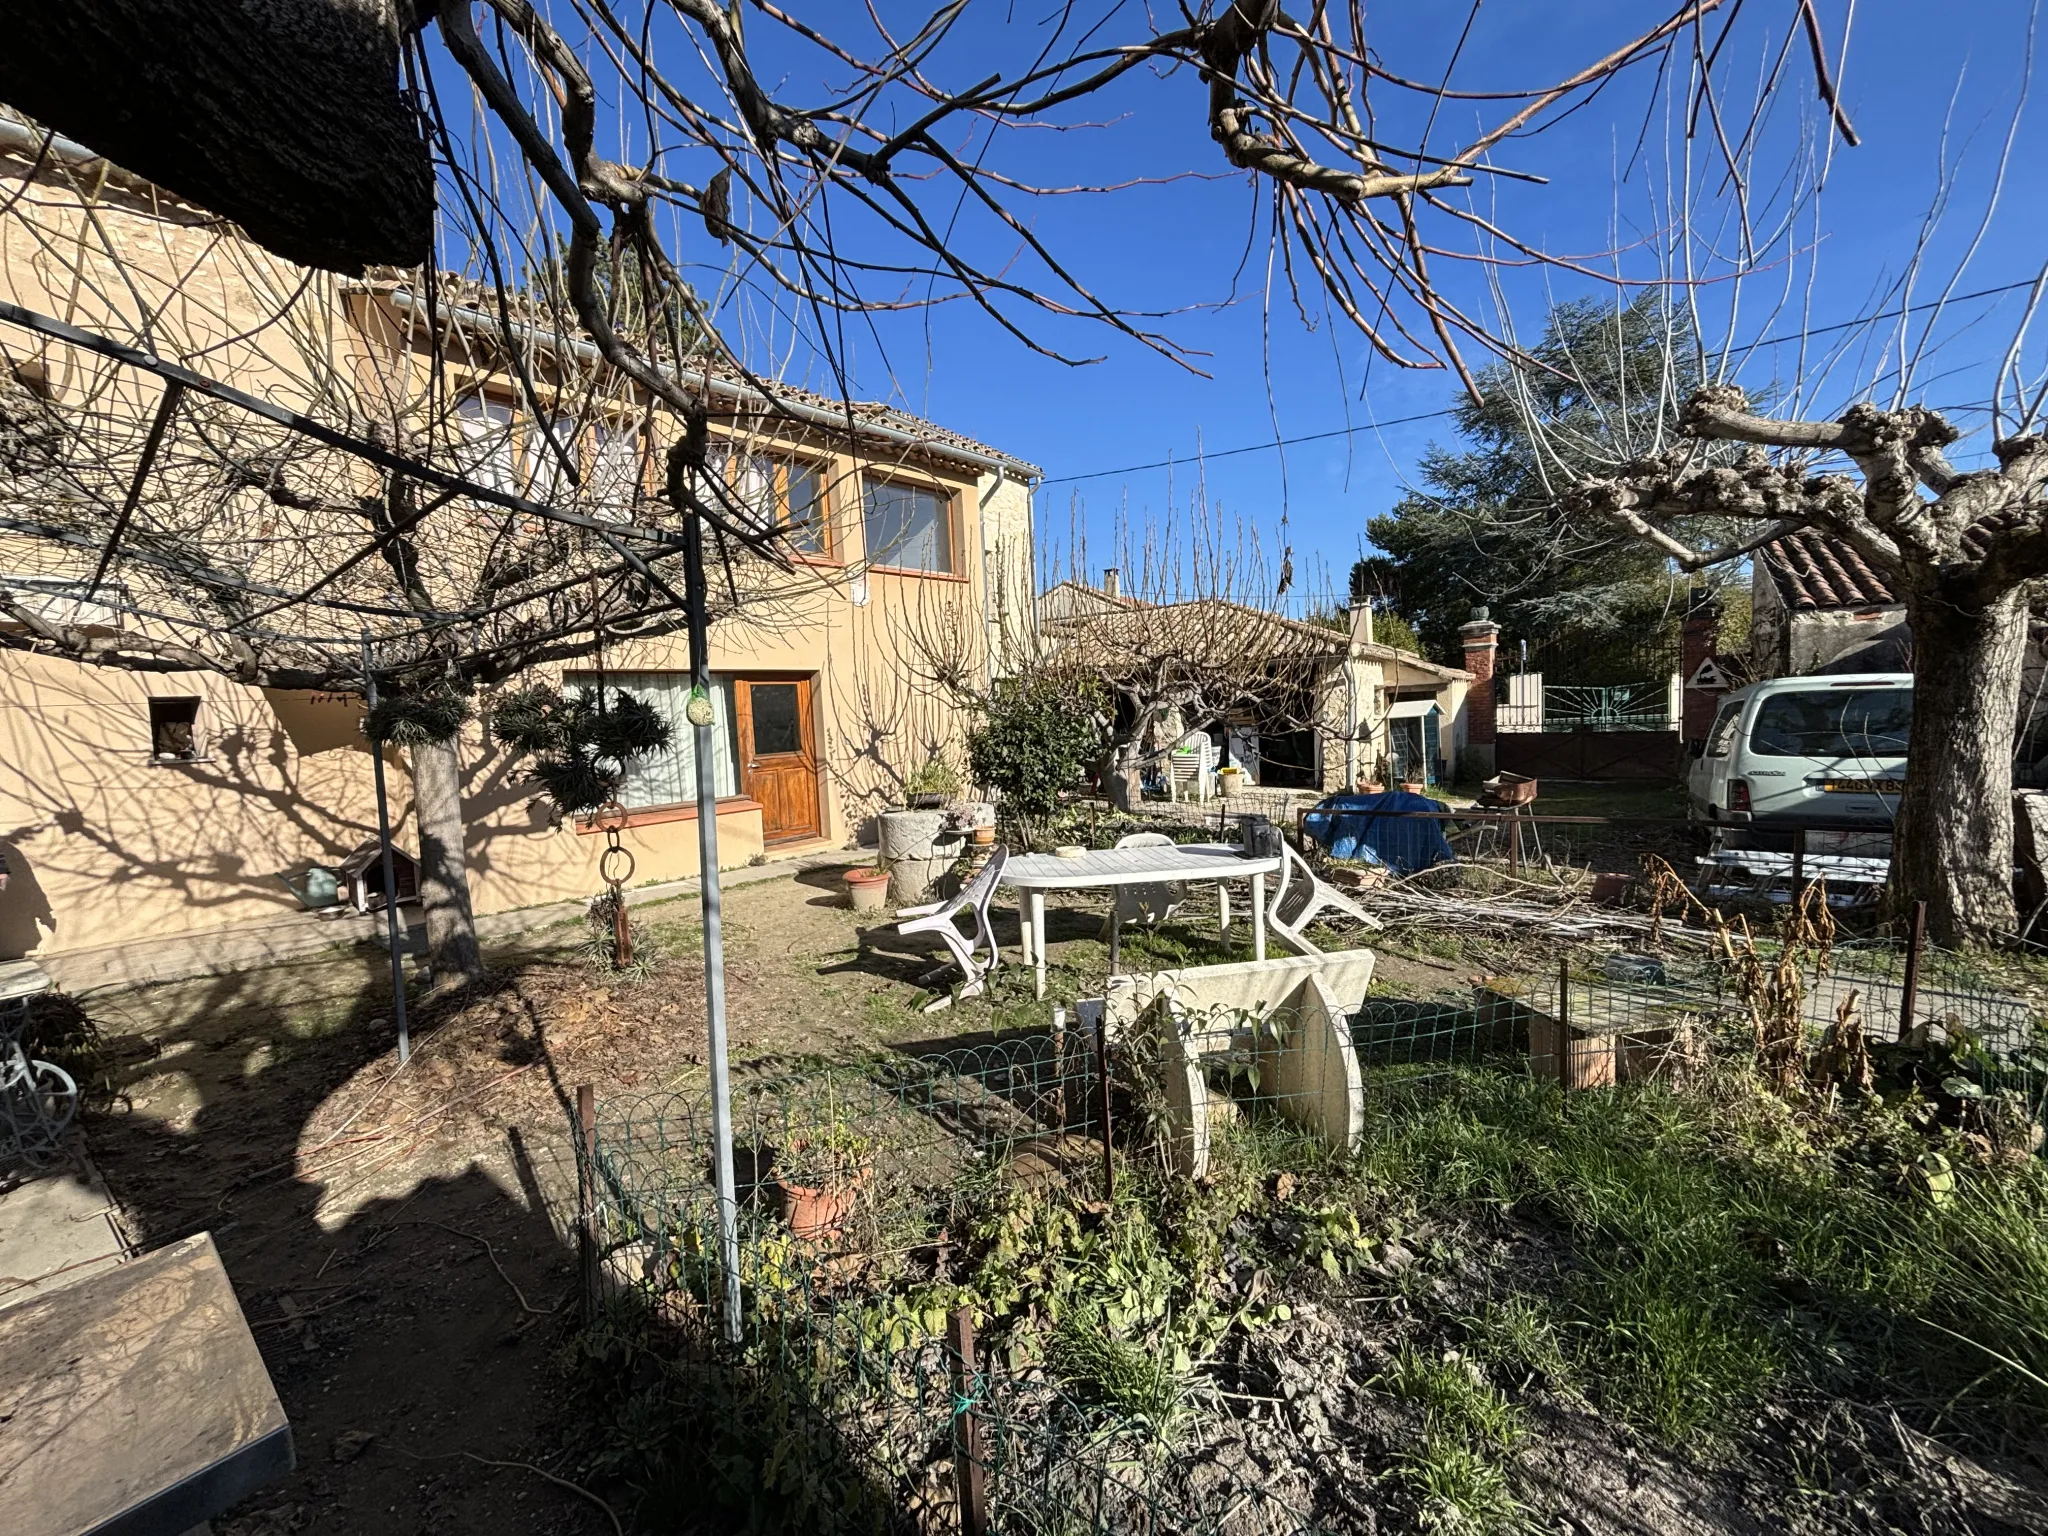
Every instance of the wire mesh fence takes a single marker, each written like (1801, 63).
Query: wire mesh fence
(888, 1207)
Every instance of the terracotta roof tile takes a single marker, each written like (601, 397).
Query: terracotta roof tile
(1811, 570)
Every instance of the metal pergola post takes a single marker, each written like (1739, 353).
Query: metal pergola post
(391, 928)
(696, 604)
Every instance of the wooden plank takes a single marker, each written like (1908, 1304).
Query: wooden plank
(135, 1402)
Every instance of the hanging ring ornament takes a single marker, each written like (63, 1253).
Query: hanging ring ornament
(610, 818)
(615, 865)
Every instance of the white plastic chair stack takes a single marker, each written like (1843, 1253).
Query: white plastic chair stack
(1301, 897)
(941, 917)
(1193, 763)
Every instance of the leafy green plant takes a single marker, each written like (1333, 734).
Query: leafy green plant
(822, 1151)
(826, 1158)
(581, 746)
(1458, 1471)
(1036, 737)
(417, 717)
(1106, 1368)
(933, 776)
(1336, 1242)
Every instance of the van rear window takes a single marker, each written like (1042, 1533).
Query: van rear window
(1837, 722)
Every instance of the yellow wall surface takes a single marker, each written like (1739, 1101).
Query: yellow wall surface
(107, 846)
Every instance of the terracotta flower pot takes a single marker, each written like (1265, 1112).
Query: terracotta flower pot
(867, 890)
(984, 836)
(820, 1210)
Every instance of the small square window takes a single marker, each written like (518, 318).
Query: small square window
(173, 730)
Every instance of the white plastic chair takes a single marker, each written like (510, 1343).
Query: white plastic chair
(1301, 897)
(940, 917)
(1152, 903)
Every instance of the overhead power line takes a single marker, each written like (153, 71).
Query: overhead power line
(1402, 421)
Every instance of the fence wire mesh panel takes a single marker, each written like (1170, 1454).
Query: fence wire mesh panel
(1036, 1189)
(861, 1189)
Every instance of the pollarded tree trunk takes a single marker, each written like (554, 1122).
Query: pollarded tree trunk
(444, 878)
(1124, 779)
(1954, 846)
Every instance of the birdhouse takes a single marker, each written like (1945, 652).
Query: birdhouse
(362, 876)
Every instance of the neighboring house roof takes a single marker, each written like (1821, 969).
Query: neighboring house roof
(1210, 626)
(1811, 571)
(1072, 600)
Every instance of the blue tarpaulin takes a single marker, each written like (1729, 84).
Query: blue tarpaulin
(1347, 827)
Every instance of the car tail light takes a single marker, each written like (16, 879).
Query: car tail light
(1738, 794)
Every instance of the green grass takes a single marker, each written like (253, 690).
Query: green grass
(1715, 1248)
(1458, 1471)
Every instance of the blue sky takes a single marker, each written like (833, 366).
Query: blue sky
(1182, 245)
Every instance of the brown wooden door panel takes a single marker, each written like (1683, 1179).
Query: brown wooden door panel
(778, 760)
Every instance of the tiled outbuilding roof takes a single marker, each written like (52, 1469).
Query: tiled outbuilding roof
(1809, 570)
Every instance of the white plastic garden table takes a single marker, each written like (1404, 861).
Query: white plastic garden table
(1033, 874)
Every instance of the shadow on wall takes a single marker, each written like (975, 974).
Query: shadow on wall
(24, 910)
(118, 844)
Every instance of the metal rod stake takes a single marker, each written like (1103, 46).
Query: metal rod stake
(391, 929)
(1102, 1079)
(970, 1467)
(1909, 999)
(1564, 1023)
(697, 601)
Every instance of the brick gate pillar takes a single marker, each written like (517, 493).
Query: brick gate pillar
(1482, 640)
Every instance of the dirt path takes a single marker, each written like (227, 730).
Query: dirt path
(398, 1239)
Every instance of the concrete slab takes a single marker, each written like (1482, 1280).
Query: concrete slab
(56, 1227)
(135, 1403)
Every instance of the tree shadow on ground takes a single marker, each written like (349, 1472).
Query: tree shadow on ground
(406, 1260)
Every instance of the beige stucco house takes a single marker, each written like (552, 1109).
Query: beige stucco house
(149, 806)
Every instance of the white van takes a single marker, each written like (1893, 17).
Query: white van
(1795, 751)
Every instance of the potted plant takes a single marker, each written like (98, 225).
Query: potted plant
(867, 888)
(930, 785)
(820, 1174)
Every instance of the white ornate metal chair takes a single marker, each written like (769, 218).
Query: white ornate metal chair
(942, 918)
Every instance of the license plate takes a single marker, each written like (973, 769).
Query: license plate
(1863, 786)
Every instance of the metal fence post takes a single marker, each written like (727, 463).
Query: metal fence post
(392, 927)
(1102, 1079)
(1798, 867)
(586, 1192)
(970, 1471)
(1564, 1024)
(1909, 997)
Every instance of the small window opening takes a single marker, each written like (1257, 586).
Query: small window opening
(173, 730)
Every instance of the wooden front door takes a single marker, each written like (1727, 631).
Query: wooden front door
(778, 763)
